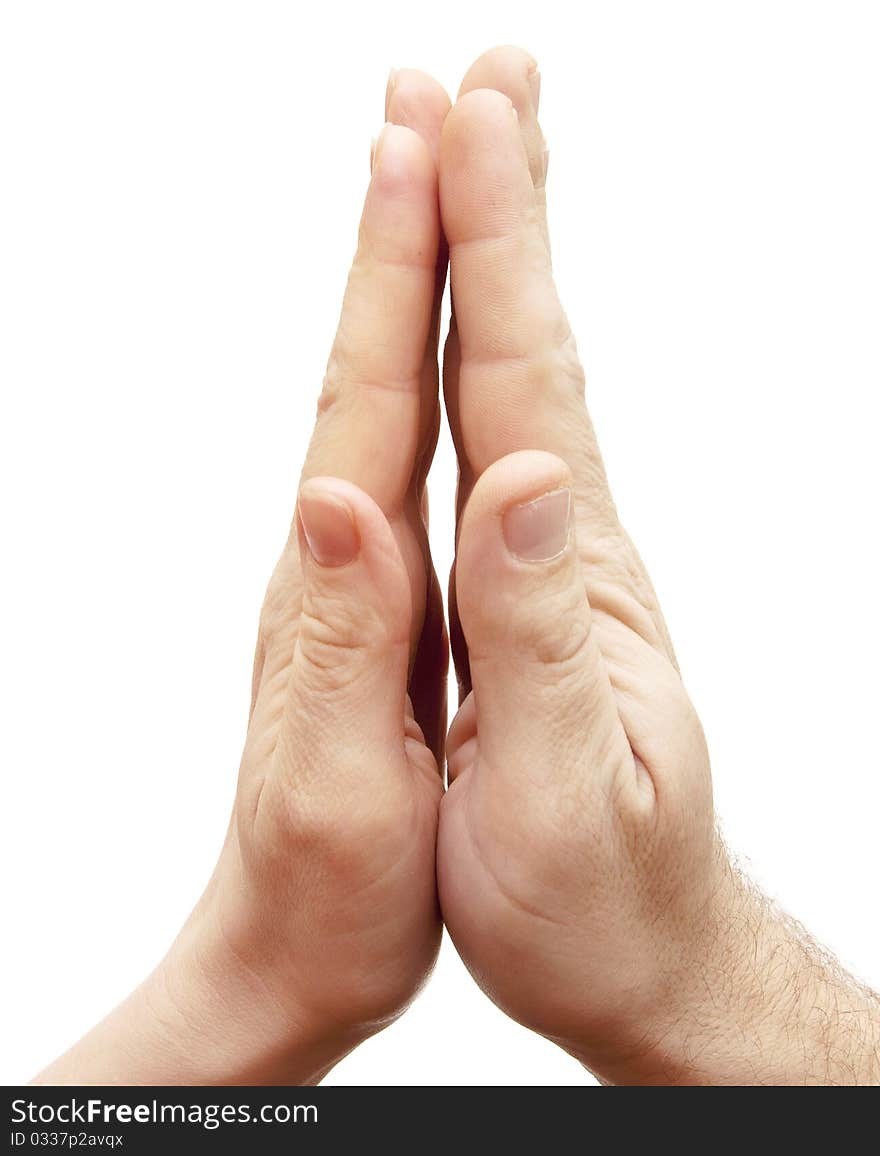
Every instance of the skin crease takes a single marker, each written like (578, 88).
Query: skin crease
(578, 866)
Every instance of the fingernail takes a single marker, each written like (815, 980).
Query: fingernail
(387, 153)
(390, 86)
(328, 527)
(535, 89)
(376, 145)
(538, 531)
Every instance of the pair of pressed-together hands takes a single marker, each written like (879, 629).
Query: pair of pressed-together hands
(574, 856)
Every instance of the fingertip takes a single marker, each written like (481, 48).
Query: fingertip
(366, 515)
(327, 524)
(340, 526)
(515, 479)
(372, 388)
(418, 101)
(352, 642)
(507, 68)
(523, 603)
(485, 179)
(476, 113)
(518, 514)
(402, 163)
(390, 84)
(514, 72)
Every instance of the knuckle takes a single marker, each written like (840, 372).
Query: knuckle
(329, 627)
(553, 352)
(617, 584)
(330, 854)
(371, 369)
(569, 360)
(346, 365)
(552, 631)
(611, 552)
(336, 639)
(333, 385)
(280, 611)
(326, 664)
(559, 644)
(332, 836)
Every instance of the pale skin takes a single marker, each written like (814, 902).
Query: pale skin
(574, 857)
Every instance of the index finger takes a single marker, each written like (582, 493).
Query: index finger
(520, 381)
(367, 430)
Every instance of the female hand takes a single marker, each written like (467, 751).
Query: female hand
(321, 919)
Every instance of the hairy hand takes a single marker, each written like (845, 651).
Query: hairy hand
(580, 873)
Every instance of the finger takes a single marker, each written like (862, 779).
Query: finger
(514, 72)
(535, 663)
(429, 674)
(372, 390)
(451, 376)
(348, 680)
(520, 383)
(461, 742)
(419, 102)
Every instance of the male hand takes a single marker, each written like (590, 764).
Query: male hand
(580, 873)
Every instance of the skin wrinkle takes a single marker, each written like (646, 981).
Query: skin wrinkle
(534, 911)
(613, 608)
(338, 388)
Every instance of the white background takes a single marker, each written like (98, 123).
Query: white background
(178, 206)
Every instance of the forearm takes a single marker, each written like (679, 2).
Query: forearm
(762, 1004)
(198, 1021)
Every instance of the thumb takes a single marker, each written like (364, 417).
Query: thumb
(544, 705)
(347, 691)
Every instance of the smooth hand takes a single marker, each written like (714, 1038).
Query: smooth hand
(321, 920)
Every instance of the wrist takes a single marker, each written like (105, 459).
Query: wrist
(755, 1001)
(228, 1016)
(203, 1017)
